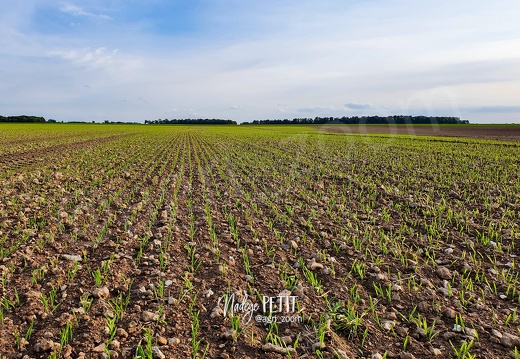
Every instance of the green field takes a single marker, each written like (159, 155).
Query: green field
(116, 239)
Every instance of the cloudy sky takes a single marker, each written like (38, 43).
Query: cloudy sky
(132, 60)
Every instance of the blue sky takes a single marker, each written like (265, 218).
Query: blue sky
(243, 60)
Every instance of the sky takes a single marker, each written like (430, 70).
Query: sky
(133, 60)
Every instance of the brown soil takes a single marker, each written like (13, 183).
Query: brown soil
(21, 159)
(133, 206)
(501, 132)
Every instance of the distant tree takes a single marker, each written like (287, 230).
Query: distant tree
(22, 118)
(369, 120)
(189, 121)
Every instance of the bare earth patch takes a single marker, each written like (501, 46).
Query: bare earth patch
(499, 132)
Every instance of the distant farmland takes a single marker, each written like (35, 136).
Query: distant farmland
(493, 132)
(259, 241)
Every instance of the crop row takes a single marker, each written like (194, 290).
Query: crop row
(128, 245)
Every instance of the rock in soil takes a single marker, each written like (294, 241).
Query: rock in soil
(148, 316)
(449, 313)
(157, 353)
(268, 347)
(120, 332)
(99, 349)
(44, 345)
(443, 273)
(101, 293)
(509, 340)
(173, 341)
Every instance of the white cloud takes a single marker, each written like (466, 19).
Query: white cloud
(78, 11)
(107, 64)
(96, 57)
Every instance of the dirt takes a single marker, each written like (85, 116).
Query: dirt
(21, 159)
(500, 132)
(133, 207)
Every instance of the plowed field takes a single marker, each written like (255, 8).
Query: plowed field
(126, 241)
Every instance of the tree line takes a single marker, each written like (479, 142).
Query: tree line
(353, 120)
(23, 118)
(190, 121)
(368, 120)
